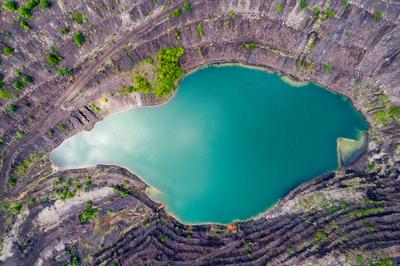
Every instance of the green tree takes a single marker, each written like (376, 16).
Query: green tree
(79, 38)
(279, 9)
(80, 18)
(378, 15)
(7, 51)
(187, 7)
(54, 58)
(12, 108)
(45, 3)
(24, 25)
(11, 5)
(303, 4)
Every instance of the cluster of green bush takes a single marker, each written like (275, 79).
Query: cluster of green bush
(250, 46)
(168, 70)
(79, 38)
(14, 207)
(4, 93)
(26, 10)
(7, 51)
(187, 7)
(54, 58)
(65, 71)
(89, 212)
(22, 81)
(142, 84)
(80, 17)
(200, 30)
(385, 116)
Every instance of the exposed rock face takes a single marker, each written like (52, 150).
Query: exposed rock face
(353, 50)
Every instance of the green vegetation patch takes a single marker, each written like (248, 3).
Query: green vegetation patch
(279, 9)
(26, 10)
(168, 71)
(142, 84)
(65, 71)
(24, 25)
(63, 127)
(250, 46)
(303, 4)
(378, 15)
(200, 30)
(6, 95)
(88, 213)
(80, 18)
(11, 5)
(328, 68)
(79, 38)
(176, 13)
(54, 58)
(187, 7)
(45, 3)
(7, 51)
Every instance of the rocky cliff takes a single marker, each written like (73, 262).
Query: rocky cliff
(63, 68)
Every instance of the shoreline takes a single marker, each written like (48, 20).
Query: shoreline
(152, 189)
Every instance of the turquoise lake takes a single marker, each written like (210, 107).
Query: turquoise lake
(226, 147)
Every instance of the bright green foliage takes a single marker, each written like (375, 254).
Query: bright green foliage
(11, 5)
(330, 13)
(142, 84)
(7, 51)
(63, 127)
(87, 214)
(232, 14)
(291, 250)
(11, 182)
(24, 25)
(279, 9)
(200, 30)
(315, 11)
(168, 70)
(65, 71)
(20, 134)
(319, 236)
(5, 94)
(176, 13)
(328, 68)
(187, 7)
(378, 15)
(345, 4)
(163, 238)
(94, 107)
(18, 85)
(87, 183)
(126, 90)
(26, 9)
(16, 207)
(64, 31)
(384, 262)
(54, 58)
(2, 142)
(45, 3)
(65, 193)
(26, 79)
(89, 203)
(79, 38)
(251, 45)
(123, 192)
(303, 4)
(12, 108)
(80, 18)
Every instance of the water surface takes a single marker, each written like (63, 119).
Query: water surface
(229, 145)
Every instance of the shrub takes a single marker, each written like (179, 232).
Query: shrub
(26, 9)
(45, 3)
(12, 108)
(187, 7)
(345, 4)
(11, 182)
(54, 58)
(378, 15)
(2, 142)
(87, 214)
(11, 5)
(279, 9)
(303, 4)
(63, 127)
(327, 68)
(126, 90)
(249, 45)
(163, 238)
(200, 30)
(80, 18)
(20, 134)
(64, 31)
(79, 38)
(142, 84)
(16, 207)
(65, 71)
(26, 79)
(18, 85)
(319, 236)
(24, 25)
(168, 70)
(176, 13)
(315, 11)
(7, 51)
(330, 13)
(232, 14)
(5, 94)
